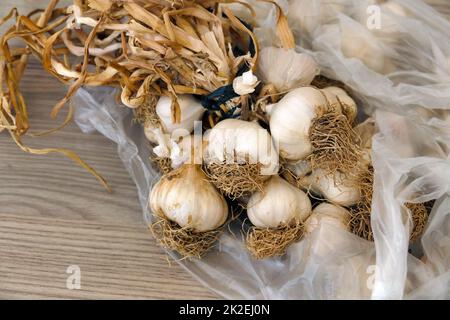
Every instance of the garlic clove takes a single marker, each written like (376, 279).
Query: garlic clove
(185, 196)
(331, 214)
(280, 203)
(191, 111)
(286, 69)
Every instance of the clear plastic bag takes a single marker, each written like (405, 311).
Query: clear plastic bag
(409, 97)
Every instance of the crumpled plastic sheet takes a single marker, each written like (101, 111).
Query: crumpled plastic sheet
(409, 97)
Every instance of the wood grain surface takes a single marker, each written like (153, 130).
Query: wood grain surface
(54, 215)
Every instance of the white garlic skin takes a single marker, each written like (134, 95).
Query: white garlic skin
(191, 111)
(286, 69)
(185, 196)
(339, 97)
(334, 188)
(291, 119)
(299, 169)
(245, 84)
(189, 151)
(280, 203)
(334, 215)
(261, 9)
(150, 131)
(235, 141)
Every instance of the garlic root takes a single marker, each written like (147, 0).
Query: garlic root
(264, 243)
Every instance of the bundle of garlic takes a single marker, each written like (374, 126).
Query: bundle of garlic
(190, 212)
(277, 214)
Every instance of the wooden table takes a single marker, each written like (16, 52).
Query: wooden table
(54, 215)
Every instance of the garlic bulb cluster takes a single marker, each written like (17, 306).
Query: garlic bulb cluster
(334, 188)
(191, 111)
(238, 141)
(286, 69)
(331, 214)
(279, 204)
(291, 119)
(186, 197)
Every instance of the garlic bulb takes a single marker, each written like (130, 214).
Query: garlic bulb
(286, 69)
(334, 215)
(338, 96)
(279, 204)
(334, 188)
(245, 84)
(191, 111)
(307, 16)
(365, 46)
(238, 141)
(185, 196)
(291, 119)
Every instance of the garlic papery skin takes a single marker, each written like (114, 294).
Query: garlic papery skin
(234, 141)
(338, 96)
(260, 8)
(245, 84)
(299, 169)
(189, 150)
(185, 196)
(164, 144)
(191, 111)
(395, 8)
(286, 69)
(291, 120)
(365, 46)
(331, 214)
(278, 204)
(335, 188)
(151, 132)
